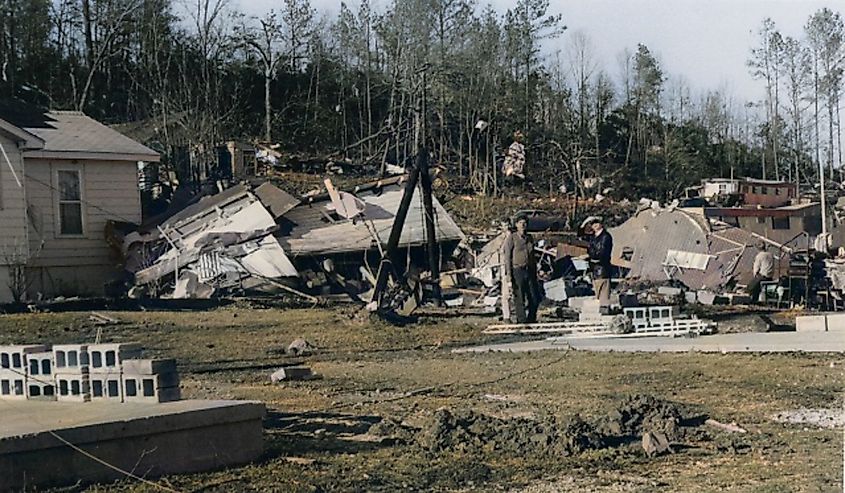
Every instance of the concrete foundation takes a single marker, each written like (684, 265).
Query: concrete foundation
(774, 342)
(148, 440)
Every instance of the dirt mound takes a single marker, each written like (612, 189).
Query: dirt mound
(389, 427)
(639, 414)
(469, 431)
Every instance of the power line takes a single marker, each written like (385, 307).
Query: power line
(81, 200)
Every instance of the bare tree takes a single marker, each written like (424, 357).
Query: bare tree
(265, 41)
(110, 23)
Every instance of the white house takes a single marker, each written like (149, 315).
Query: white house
(63, 175)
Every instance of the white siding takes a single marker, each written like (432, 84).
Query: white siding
(13, 243)
(63, 265)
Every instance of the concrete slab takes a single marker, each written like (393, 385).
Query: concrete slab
(829, 342)
(149, 439)
(835, 321)
(811, 323)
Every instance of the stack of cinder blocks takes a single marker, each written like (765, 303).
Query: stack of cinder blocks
(40, 384)
(107, 368)
(72, 372)
(82, 373)
(14, 369)
(149, 380)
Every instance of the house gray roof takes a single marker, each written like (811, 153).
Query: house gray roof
(72, 132)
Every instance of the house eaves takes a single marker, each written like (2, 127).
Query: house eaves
(91, 156)
(25, 140)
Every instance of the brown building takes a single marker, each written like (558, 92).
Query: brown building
(779, 224)
(750, 191)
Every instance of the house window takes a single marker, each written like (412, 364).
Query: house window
(780, 223)
(70, 201)
(761, 220)
(765, 190)
(777, 191)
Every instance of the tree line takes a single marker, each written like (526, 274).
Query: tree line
(373, 85)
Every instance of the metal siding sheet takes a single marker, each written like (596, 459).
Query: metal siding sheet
(312, 234)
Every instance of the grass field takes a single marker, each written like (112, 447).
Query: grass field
(373, 372)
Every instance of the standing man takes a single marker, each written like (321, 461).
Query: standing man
(599, 249)
(764, 267)
(521, 267)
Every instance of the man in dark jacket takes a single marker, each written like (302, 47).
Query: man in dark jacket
(521, 267)
(600, 248)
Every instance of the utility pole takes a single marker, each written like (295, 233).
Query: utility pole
(426, 188)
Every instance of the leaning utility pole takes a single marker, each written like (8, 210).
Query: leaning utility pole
(425, 185)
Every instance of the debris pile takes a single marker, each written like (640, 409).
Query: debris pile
(221, 242)
(639, 414)
(468, 430)
(657, 421)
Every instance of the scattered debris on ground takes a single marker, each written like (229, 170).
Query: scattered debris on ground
(823, 418)
(300, 347)
(292, 373)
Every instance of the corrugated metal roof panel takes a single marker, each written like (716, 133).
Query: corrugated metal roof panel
(651, 235)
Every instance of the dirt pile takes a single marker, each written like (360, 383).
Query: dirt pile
(467, 431)
(640, 414)
(471, 431)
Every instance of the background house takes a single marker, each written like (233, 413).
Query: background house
(749, 191)
(65, 177)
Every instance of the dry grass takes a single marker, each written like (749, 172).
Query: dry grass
(371, 370)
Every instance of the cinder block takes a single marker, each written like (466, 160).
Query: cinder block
(12, 384)
(663, 313)
(149, 366)
(638, 316)
(14, 357)
(71, 358)
(292, 373)
(106, 387)
(73, 387)
(107, 358)
(40, 366)
(811, 323)
(836, 322)
(40, 390)
(162, 387)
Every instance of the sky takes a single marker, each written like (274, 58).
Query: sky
(706, 41)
